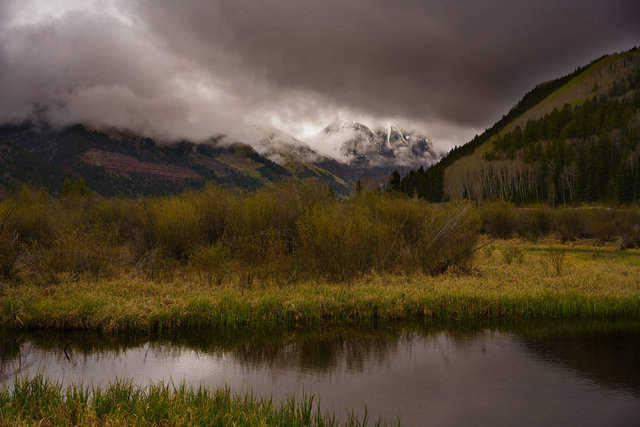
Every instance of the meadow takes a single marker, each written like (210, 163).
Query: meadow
(296, 254)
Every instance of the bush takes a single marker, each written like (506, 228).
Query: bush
(513, 253)
(77, 252)
(281, 231)
(33, 216)
(176, 225)
(449, 239)
(341, 240)
(8, 254)
(534, 222)
(8, 244)
(498, 219)
(571, 224)
(556, 260)
(265, 224)
(629, 229)
(215, 207)
(602, 223)
(407, 215)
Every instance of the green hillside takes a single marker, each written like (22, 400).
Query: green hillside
(569, 141)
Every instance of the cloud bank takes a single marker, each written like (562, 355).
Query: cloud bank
(193, 69)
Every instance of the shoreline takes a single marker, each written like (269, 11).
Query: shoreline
(594, 282)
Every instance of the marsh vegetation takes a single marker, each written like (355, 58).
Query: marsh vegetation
(295, 253)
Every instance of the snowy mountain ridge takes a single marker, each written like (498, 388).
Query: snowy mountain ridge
(390, 146)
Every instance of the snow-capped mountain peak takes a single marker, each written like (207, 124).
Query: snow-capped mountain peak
(349, 149)
(389, 146)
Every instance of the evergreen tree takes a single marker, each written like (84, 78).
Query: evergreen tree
(80, 187)
(395, 182)
(66, 187)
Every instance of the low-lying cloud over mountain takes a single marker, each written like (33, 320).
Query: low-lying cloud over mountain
(197, 68)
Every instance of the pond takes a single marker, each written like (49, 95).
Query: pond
(577, 373)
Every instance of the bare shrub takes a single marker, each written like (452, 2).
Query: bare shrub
(264, 224)
(8, 254)
(449, 239)
(498, 219)
(215, 206)
(556, 260)
(32, 216)
(341, 241)
(571, 224)
(602, 223)
(513, 253)
(177, 225)
(8, 245)
(157, 265)
(630, 229)
(407, 214)
(534, 222)
(92, 252)
(488, 251)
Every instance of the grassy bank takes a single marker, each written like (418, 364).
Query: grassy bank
(40, 402)
(511, 280)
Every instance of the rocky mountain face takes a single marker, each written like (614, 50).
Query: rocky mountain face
(379, 150)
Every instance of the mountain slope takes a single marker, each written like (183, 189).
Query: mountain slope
(121, 163)
(281, 147)
(376, 151)
(550, 146)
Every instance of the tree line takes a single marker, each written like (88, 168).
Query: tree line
(578, 153)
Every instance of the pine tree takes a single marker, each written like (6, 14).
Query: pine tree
(395, 183)
(359, 186)
(66, 187)
(80, 187)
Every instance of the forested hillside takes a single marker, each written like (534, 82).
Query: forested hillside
(121, 163)
(584, 150)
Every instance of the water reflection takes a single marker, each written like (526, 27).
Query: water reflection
(609, 355)
(565, 372)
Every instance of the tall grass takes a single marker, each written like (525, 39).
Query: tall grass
(39, 401)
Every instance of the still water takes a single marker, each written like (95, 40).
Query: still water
(579, 373)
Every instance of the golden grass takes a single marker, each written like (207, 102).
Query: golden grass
(595, 281)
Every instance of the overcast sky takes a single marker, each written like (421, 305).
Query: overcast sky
(195, 68)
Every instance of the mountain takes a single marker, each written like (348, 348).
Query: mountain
(280, 146)
(571, 140)
(122, 163)
(376, 151)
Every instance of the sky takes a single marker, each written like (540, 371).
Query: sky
(197, 68)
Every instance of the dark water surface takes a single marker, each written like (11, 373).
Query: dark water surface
(577, 373)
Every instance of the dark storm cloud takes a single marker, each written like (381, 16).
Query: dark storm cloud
(192, 67)
(462, 61)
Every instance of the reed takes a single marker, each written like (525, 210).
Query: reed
(38, 401)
